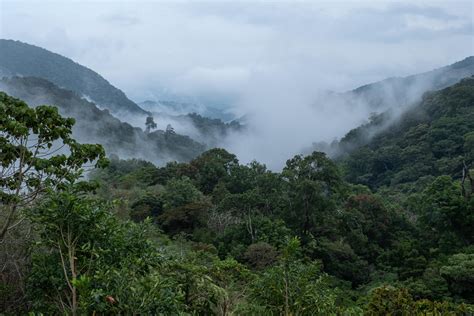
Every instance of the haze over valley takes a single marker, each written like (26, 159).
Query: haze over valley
(236, 66)
(272, 123)
(236, 157)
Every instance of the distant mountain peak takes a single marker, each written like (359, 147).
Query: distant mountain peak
(22, 59)
(402, 91)
(466, 62)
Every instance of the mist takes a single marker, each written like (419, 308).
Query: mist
(285, 119)
(277, 65)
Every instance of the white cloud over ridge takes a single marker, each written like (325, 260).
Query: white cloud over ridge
(270, 59)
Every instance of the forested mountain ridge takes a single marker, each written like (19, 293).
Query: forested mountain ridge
(22, 59)
(182, 108)
(402, 91)
(213, 236)
(212, 132)
(386, 228)
(432, 138)
(17, 58)
(25, 60)
(404, 246)
(99, 126)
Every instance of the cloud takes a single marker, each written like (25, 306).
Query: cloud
(121, 20)
(206, 80)
(270, 59)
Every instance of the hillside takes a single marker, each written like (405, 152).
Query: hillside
(373, 253)
(182, 235)
(205, 129)
(99, 126)
(430, 139)
(401, 91)
(183, 108)
(212, 132)
(21, 59)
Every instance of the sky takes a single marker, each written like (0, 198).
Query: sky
(216, 50)
(253, 56)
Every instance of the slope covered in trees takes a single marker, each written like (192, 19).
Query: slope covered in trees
(216, 237)
(411, 243)
(435, 137)
(99, 126)
(398, 92)
(183, 108)
(22, 59)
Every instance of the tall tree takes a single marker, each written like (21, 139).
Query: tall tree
(313, 182)
(150, 124)
(37, 152)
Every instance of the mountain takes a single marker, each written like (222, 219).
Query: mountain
(183, 108)
(380, 103)
(432, 138)
(188, 119)
(24, 60)
(21, 59)
(99, 126)
(402, 91)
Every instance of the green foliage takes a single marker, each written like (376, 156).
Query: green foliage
(446, 215)
(340, 260)
(358, 236)
(430, 139)
(179, 192)
(89, 262)
(260, 255)
(147, 206)
(459, 272)
(237, 237)
(100, 126)
(314, 183)
(404, 249)
(293, 287)
(388, 300)
(469, 146)
(29, 155)
(185, 218)
(212, 166)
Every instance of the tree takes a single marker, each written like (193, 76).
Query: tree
(147, 206)
(466, 174)
(469, 146)
(446, 215)
(179, 192)
(293, 287)
(243, 178)
(314, 181)
(459, 272)
(37, 152)
(150, 124)
(211, 167)
(170, 130)
(89, 262)
(184, 218)
(260, 255)
(387, 300)
(249, 230)
(368, 224)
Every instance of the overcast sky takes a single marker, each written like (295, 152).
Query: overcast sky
(268, 60)
(219, 49)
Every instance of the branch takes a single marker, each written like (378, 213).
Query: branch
(6, 226)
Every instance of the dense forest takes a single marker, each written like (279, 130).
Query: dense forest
(386, 228)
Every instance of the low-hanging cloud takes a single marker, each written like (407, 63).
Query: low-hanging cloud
(272, 62)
